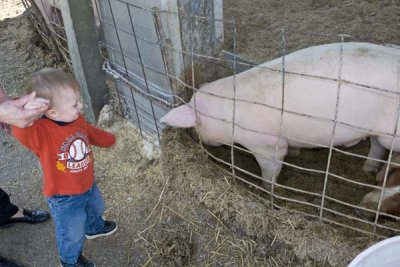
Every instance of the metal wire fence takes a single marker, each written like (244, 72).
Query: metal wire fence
(312, 202)
(50, 27)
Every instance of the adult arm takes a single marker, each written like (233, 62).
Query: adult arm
(14, 113)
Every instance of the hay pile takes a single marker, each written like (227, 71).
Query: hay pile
(275, 234)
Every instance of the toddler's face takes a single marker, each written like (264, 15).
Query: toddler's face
(67, 105)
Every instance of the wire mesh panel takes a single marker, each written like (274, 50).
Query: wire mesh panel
(47, 19)
(269, 100)
(134, 53)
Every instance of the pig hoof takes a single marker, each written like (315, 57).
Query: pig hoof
(266, 185)
(370, 169)
(367, 215)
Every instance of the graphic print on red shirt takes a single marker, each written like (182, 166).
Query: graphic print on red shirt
(74, 154)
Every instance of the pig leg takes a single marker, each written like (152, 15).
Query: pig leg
(369, 201)
(266, 157)
(376, 151)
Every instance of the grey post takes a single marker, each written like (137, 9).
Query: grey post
(80, 27)
(202, 32)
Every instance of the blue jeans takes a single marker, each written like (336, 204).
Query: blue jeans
(74, 216)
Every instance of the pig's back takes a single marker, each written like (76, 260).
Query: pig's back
(311, 84)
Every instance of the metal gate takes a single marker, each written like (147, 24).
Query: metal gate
(145, 54)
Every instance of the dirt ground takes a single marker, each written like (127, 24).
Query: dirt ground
(307, 23)
(173, 207)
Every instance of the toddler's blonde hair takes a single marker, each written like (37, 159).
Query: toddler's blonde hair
(49, 82)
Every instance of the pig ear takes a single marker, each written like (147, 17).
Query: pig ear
(183, 117)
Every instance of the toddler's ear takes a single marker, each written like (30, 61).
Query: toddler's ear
(51, 113)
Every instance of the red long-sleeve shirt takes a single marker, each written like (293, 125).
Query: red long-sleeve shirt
(64, 152)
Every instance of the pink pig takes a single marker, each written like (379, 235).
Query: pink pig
(322, 84)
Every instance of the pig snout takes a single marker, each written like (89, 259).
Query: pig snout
(183, 117)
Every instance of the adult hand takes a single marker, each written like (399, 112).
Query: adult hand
(35, 103)
(14, 113)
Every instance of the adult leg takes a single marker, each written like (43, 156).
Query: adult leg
(7, 209)
(10, 214)
(4, 262)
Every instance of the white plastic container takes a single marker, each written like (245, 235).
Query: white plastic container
(383, 254)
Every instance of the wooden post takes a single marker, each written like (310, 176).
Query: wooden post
(188, 32)
(202, 34)
(80, 27)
